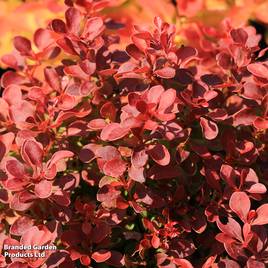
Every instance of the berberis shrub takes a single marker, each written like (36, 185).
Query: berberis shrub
(146, 154)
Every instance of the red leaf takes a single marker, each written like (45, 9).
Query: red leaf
(85, 260)
(59, 155)
(260, 123)
(97, 124)
(52, 78)
(139, 158)
(262, 215)
(251, 263)
(231, 228)
(32, 153)
(116, 260)
(114, 168)
(73, 20)
(87, 153)
(58, 26)
(239, 36)
(107, 153)
(43, 38)
(155, 241)
(6, 141)
(107, 194)
(159, 154)
(240, 204)
(22, 44)
(136, 174)
(76, 71)
(209, 128)
(21, 225)
(257, 188)
(93, 28)
(244, 117)
(43, 189)
(108, 110)
(185, 53)
(154, 94)
(253, 91)
(113, 132)
(13, 95)
(166, 72)
(15, 168)
(88, 67)
(101, 256)
(10, 77)
(134, 52)
(228, 174)
(258, 69)
(167, 100)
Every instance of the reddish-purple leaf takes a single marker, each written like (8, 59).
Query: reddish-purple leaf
(262, 215)
(97, 124)
(113, 132)
(101, 256)
(87, 153)
(231, 228)
(211, 79)
(253, 91)
(15, 168)
(134, 52)
(258, 69)
(108, 110)
(32, 153)
(43, 189)
(167, 100)
(209, 128)
(43, 38)
(114, 168)
(76, 71)
(22, 44)
(240, 204)
(116, 260)
(155, 241)
(139, 158)
(58, 26)
(260, 123)
(10, 77)
(166, 72)
(6, 141)
(228, 174)
(136, 174)
(257, 188)
(93, 28)
(244, 117)
(12, 94)
(73, 20)
(107, 194)
(52, 78)
(239, 36)
(88, 67)
(59, 155)
(21, 225)
(185, 53)
(107, 153)
(159, 153)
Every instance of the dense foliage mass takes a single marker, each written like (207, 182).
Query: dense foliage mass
(150, 155)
